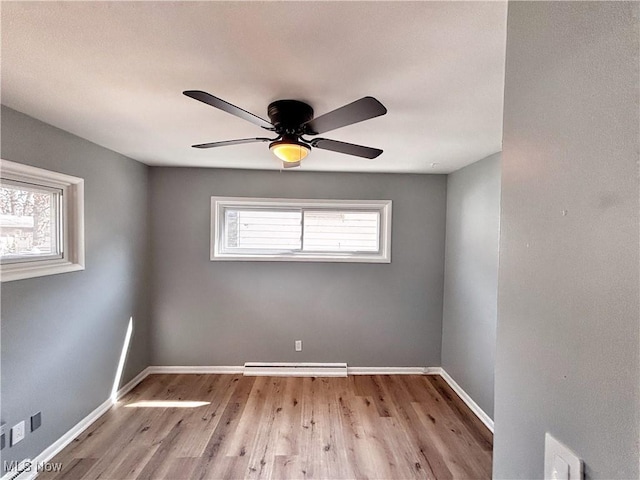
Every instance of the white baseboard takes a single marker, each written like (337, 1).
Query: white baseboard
(133, 383)
(386, 370)
(196, 369)
(475, 408)
(432, 370)
(239, 370)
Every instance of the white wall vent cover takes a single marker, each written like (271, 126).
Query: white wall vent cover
(252, 369)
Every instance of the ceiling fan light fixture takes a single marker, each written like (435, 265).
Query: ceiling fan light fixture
(289, 150)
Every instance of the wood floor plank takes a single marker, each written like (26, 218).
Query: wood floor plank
(134, 461)
(405, 437)
(466, 437)
(448, 430)
(225, 428)
(243, 438)
(473, 423)
(180, 468)
(74, 470)
(404, 457)
(218, 393)
(287, 466)
(373, 444)
(432, 457)
(352, 431)
(358, 427)
(335, 446)
(287, 439)
(310, 454)
(261, 456)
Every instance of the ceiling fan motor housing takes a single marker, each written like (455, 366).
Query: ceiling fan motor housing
(288, 116)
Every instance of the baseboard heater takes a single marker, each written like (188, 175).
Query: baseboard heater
(253, 369)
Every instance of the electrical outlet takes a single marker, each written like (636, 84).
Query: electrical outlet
(298, 345)
(17, 433)
(36, 421)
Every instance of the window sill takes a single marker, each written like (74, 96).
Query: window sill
(37, 269)
(301, 258)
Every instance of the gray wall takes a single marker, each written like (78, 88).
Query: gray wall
(62, 334)
(568, 309)
(228, 313)
(471, 278)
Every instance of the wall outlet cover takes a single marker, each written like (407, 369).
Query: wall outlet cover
(17, 433)
(560, 463)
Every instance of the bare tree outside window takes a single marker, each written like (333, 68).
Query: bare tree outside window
(28, 221)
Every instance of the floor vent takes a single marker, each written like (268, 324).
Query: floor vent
(253, 369)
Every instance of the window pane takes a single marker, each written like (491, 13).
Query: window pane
(341, 231)
(300, 230)
(262, 229)
(29, 222)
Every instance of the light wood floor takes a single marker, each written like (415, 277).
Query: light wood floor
(385, 427)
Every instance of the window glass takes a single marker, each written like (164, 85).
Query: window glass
(262, 229)
(341, 231)
(30, 220)
(300, 230)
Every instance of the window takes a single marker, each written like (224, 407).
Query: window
(300, 230)
(41, 222)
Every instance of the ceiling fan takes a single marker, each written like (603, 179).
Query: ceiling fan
(291, 120)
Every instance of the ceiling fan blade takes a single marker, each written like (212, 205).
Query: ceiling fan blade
(231, 142)
(290, 164)
(363, 109)
(348, 148)
(227, 107)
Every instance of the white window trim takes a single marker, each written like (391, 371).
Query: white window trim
(72, 222)
(218, 205)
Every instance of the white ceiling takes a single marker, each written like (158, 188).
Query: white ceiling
(114, 73)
